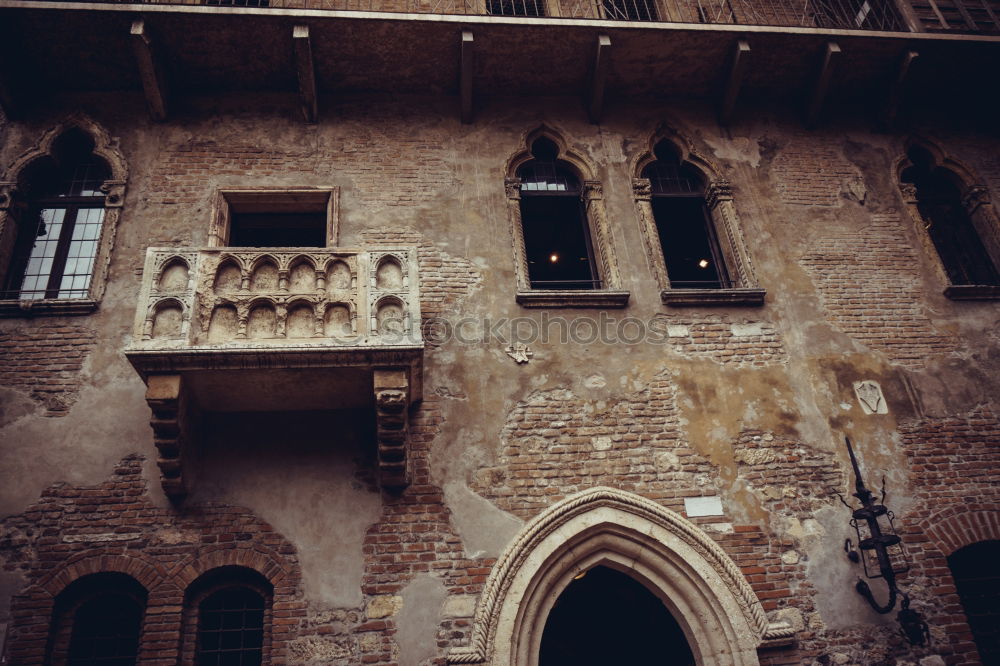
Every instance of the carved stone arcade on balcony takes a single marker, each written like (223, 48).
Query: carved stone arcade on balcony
(293, 328)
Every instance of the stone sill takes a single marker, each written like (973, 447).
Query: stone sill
(572, 298)
(712, 297)
(973, 292)
(47, 307)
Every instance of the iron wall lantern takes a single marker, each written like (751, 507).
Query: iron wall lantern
(882, 554)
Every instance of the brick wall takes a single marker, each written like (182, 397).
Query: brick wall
(810, 171)
(45, 362)
(870, 287)
(732, 343)
(71, 532)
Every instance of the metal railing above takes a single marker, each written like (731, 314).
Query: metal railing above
(958, 16)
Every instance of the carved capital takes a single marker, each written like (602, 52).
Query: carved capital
(642, 188)
(114, 193)
(718, 191)
(974, 197)
(909, 191)
(512, 186)
(8, 192)
(592, 190)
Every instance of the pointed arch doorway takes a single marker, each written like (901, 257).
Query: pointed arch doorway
(721, 619)
(605, 617)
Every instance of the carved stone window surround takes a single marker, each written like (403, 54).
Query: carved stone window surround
(595, 211)
(13, 206)
(978, 205)
(259, 200)
(722, 212)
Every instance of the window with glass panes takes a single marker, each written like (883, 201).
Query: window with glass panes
(59, 238)
(687, 236)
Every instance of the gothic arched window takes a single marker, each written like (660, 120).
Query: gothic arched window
(939, 194)
(687, 236)
(59, 207)
(693, 237)
(556, 234)
(563, 254)
(58, 239)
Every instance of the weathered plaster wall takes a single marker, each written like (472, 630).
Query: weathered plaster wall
(749, 405)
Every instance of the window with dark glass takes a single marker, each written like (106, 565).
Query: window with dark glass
(98, 622)
(106, 632)
(978, 583)
(515, 7)
(687, 236)
(939, 201)
(630, 10)
(231, 627)
(556, 233)
(59, 237)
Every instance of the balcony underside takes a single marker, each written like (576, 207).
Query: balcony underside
(61, 46)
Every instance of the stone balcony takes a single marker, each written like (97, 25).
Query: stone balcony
(292, 329)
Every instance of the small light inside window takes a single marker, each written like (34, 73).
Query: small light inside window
(580, 575)
(703, 263)
(554, 257)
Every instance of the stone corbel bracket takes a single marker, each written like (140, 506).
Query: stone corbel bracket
(171, 422)
(392, 406)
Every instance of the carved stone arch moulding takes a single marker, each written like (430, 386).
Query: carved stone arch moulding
(611, 294)
(724, 218)
(11, 207)
(686, 151)
(721, 616)
(585, 168)
(975, 199)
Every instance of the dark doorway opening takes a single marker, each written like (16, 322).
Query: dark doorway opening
(977, 579)
(278, 230)
(607, 617)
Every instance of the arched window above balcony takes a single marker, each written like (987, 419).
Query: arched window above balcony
(693, 236)
(958, 219)
(59, 207)
(563, 255)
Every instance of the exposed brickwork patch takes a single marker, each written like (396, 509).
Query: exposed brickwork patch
(73, 531)
(716, 338)
(372, 159)
(790, 476)
(554, 444)
(414, 536)
(45, 361)
(811, 171)
(869, 284)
